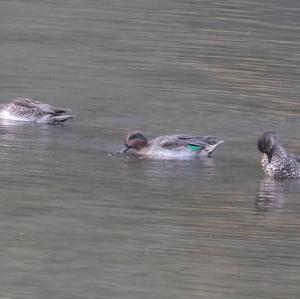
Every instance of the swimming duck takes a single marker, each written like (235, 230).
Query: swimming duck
(171, 146)
(24, 109)
(276, 161)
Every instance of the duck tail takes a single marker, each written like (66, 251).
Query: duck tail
(60, 110)
(61, 118)
(211, 147)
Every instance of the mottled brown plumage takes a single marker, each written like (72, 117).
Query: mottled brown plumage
(25, 109)
(276, 161)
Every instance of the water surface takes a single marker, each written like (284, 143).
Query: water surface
(78, 221)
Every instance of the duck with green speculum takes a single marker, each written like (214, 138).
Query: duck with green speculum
(178, 146)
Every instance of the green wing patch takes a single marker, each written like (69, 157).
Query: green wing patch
(194, 147)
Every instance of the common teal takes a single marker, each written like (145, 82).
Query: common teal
(171, 146)
(276, 161)
(23, 109)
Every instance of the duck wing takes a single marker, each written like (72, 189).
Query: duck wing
(172, 141)
(38, 106)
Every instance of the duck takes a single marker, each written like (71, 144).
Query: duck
(31, 110)
(178, 146)
(276, 161)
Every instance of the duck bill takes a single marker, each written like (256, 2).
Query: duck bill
(124, 149)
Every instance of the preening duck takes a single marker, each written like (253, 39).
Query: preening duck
(25, 109)
(276, 161)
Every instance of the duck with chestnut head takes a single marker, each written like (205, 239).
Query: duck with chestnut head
(178, 146)
(276, 161)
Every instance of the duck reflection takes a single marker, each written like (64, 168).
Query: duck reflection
(24, 140)
(167, 173)
(271, 193)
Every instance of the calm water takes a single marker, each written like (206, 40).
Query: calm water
(77, 221)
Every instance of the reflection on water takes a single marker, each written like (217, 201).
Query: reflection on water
(271, 193)
(157, 171)
(39, 135)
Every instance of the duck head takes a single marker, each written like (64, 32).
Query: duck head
(135, 140)
(267, 143)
